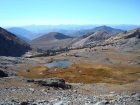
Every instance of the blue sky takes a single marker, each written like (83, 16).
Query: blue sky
(54, 12)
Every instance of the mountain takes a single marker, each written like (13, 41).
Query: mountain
(124, 41)
(21, 37)
(11, 45)
(50, 28)
(89, 39)
(51, 40)
(108, 29)
(20, 32)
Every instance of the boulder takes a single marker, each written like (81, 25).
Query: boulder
(3, 74)
(54, 82)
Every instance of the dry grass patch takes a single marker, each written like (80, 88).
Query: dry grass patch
(90, 73)
(87, 73)
(35, 71)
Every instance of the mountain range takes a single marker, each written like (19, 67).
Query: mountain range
(34, 31)
(11, 45)
(100, 36)
(49, 41)
(75, 33)
(40, 28)
(100, 28)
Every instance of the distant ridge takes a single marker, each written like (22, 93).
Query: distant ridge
(108, 29)
(20, 32)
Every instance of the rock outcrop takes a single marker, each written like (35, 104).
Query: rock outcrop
(2, 74)
(52, 82)
(11, 45)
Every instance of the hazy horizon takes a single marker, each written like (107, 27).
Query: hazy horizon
(70, 25)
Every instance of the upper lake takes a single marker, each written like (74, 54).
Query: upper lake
(59, 64)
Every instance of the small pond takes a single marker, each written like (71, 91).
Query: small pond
(59, 64)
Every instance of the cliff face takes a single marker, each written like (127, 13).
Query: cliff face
(11, 45)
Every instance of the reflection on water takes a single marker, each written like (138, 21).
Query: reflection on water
(59, 64)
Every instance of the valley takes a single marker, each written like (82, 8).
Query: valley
(105, 69)
(70, 52)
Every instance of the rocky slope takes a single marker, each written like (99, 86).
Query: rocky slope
(15, 93)
(11, 45)
(127, 41)
(90, 38)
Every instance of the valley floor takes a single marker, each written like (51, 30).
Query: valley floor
(101, 75)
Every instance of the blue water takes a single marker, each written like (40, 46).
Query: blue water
(59, 64)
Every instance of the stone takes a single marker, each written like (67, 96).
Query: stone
(24, 103)
(3, 74)
(54, 82)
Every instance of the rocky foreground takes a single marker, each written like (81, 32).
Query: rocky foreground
(20, 91)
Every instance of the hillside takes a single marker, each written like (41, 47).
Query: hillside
(91, 38)
(51, 40)
(11, 45)
(23, 38)
(127, 41)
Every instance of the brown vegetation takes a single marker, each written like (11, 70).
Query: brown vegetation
(34, 72)
(87, 73)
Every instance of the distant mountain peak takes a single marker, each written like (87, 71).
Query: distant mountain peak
(103, 27)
